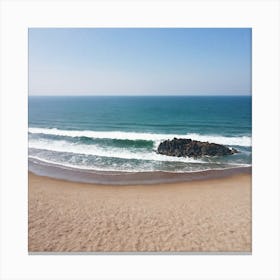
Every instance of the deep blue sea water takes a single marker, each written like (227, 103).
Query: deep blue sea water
(121, 133)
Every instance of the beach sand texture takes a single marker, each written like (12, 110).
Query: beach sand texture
(211, 215)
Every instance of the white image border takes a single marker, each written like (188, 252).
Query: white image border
(19, 15)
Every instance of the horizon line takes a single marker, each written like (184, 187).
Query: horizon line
(139, 95)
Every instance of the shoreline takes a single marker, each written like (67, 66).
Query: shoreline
(212, 215)
(55, 171)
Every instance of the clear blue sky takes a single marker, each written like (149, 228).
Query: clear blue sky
(153, 61)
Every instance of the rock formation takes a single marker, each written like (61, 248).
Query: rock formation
(192, 148)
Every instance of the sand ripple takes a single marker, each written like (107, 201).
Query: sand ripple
(212, 215)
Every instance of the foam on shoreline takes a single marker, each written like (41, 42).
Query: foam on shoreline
(127, 178)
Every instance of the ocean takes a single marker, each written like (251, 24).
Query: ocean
(115, 134)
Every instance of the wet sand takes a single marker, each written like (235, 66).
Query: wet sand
(212, 215)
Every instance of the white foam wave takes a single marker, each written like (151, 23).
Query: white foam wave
(66, 147)
(125, 168)
(121, 135)
(70, 166)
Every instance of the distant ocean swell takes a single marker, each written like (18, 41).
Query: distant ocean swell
(122, 151)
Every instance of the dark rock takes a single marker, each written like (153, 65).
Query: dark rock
(192, 148)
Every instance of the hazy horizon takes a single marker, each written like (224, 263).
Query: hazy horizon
(139, 61)
(141, 95)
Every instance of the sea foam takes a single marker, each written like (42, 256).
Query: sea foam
(96, 150)
(244, 141)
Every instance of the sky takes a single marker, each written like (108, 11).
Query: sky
(139, 61)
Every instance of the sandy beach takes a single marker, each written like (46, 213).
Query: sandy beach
(212, 215)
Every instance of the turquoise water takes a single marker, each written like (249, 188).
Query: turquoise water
(122, 133)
